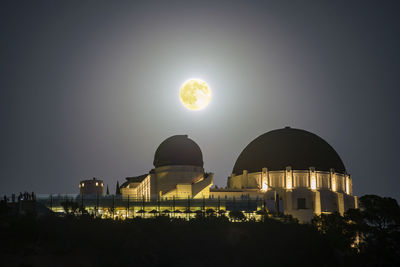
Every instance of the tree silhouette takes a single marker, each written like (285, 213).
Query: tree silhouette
(237, 215)
(65, 207)
(70, 207)
(381, 213)
(334, 227)
(380, 230)
(117, 189)
(371, 234)
(332, 242)
(107, 192)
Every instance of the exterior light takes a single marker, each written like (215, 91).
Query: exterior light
(313, 184)
(313, 181)
(264, 179)
(264, 187)
(333, 183)
(333, 180)
(97, 184)
(289, 178)
(83, 184)
(289, 183)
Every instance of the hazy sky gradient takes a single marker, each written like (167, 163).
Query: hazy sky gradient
(90, 89)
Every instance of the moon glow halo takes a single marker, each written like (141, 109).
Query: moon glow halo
(195, 94)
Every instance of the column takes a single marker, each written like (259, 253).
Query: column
(288, 202)
(317, 203)
(245, 180)
(313, 178)
(340, 201)
(289, 178)
(264, 179)
(333, 180)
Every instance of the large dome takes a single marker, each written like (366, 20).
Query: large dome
(280, 148)
(178, 150)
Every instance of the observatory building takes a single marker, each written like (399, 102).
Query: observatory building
(178, 173)
(297, 166)
(287, 165)
(91, 187)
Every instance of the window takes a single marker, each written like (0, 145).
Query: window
(301, 203)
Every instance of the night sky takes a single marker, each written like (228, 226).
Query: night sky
(90, 88)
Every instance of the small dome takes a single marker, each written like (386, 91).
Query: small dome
(178, 150)
(280, 148)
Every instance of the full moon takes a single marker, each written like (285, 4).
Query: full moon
(195, 94)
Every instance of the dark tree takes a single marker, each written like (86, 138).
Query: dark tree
(210, 212)
(66, 206)
(334, 227)
(117, 189)
(380, 230)
(237, 215)
(75, 207)
(381, 213)
(107, 192)
(369, 235)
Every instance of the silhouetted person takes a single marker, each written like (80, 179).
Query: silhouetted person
(33, 196)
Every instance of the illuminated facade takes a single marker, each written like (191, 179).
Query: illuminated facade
(178, 173)
(287, 165)
(298, 166)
